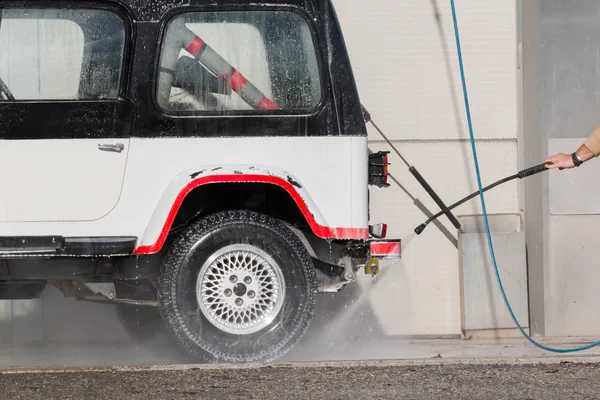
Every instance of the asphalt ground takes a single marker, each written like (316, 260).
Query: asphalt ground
(549, 379)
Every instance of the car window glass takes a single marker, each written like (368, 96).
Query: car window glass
(58, 54)
(249, 60)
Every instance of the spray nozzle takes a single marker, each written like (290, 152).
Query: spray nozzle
(420, 229)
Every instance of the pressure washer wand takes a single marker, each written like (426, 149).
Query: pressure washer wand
(521, 174)
(416, 174)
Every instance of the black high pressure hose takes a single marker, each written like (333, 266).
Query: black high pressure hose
(521, 174)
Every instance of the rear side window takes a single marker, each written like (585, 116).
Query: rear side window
(60, 54)
(238, 61)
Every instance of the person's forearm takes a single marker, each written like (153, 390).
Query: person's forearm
(585, 153)
(591, 147)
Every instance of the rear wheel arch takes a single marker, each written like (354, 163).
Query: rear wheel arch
(266, 198)
(278, 195)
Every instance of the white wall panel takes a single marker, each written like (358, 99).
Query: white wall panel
(407, 70)
(572, 276)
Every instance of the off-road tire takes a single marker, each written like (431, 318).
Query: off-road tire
(179, 306)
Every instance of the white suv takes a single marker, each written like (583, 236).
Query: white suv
(209, 159)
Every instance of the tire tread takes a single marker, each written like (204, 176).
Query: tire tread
(175, 261)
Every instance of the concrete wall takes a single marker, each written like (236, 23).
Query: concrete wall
(569, 73)
(405, 62)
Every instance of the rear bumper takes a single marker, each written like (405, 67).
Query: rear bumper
(338, 262)
(385, 249)
(368, 254)
(381, 249)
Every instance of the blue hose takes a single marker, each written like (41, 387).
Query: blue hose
(487, 228)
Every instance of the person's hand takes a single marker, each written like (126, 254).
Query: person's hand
(560, 161)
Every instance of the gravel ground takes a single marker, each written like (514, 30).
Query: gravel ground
(508, 379)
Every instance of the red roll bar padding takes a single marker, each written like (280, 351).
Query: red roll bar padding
(238, 83)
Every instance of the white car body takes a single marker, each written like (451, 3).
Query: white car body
(132, 193)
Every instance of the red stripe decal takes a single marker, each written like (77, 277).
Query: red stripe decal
(385, 249)
(237, 81)
(266, 104)
(195, 46)
(319, 230)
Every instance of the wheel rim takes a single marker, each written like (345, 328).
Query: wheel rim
(240, 289)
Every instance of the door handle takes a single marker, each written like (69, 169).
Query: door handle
(116, 147)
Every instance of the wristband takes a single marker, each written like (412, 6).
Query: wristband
(576, 160)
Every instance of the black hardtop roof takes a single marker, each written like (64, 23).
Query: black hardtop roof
(153, 10)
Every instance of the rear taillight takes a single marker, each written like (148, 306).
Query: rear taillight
(378, 231)
(378, 169)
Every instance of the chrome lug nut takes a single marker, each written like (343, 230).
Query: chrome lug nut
(239, 302)
(233, 279)
(251, 294)
(227, 292)
(247, 280)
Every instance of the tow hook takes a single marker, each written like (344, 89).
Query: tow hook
(348, 275)
(372, 268)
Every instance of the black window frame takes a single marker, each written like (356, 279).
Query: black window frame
(128, 42)
(324, 84)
